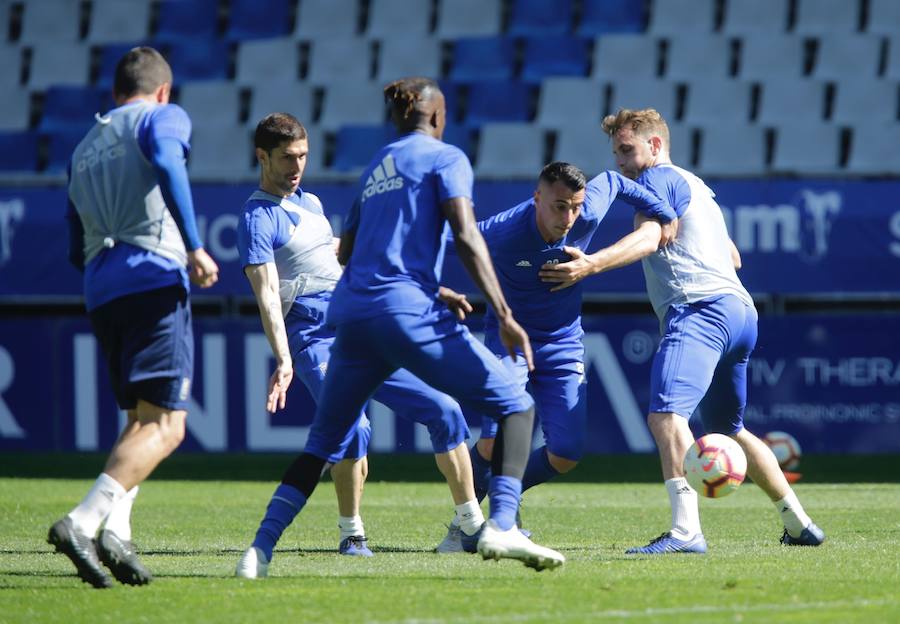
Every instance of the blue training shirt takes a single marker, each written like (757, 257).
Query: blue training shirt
(126, 269)
(398, 252)
(518, 251)
(265, 227)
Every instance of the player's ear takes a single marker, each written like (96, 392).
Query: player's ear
(655, 144)
(261, 156)
(163, 92)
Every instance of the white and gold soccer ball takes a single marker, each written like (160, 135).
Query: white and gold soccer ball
(786, 449)
(715, 465)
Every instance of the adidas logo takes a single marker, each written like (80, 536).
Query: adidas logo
(383, 178)
(523, 263)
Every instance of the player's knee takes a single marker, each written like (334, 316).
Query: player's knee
(172, 429)
(485, 447)
(560, 464)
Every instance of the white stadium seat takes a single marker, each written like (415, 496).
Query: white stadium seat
(732, 149)
(625, 56)
(268, 60)
(753, 17)
(676, 17)
(565, 101)
(468, 18)
(391, 18)
(115, 21)
(806, 148)
(211, 103)
(508, 150)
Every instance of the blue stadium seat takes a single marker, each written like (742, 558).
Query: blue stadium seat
(356, 145)
(257, 19)
(60, 145)
(483, 58)
(451, 100)
(108, 59)
(197, 19)
(69, 107)
(461, 137)
(190, 61)
(498, 101)
(535, 18)
(555, 56)
(18, 152)
(605, 16)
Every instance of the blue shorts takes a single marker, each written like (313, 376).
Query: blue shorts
(558, 386)
(148, 344)
(403, 392)
(432, 346)
(704, 352)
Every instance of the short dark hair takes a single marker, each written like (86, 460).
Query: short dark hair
(277, 128)
(404, 97)
(141, 71)
(564, 172)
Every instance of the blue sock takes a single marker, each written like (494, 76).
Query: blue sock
(481, 473)
(505, 494)
(285, 504)
(538, 469)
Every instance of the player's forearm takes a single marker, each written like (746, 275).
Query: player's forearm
(473, 252)
(646, 202)
(345, 246)
(629, 249)
(270, 313)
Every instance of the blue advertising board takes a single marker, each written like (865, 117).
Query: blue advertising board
(831, 381)
(796, 237)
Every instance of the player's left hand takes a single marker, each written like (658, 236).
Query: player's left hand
(457, 302)
(669, 232)
(566, 274)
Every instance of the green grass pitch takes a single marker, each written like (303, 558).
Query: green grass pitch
(191, 533)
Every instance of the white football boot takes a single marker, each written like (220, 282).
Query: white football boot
(511, 544)
(253, 564)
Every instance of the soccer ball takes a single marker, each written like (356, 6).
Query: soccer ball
(786, 449)
(715, 465)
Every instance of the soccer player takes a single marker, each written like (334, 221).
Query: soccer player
(287, 250)
(134, 235)
(553, 226)
(709, 327)
(388, 315)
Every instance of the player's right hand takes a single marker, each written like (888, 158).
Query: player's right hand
(514, 338)
(669, 232)
(202, 269)
(278, 385)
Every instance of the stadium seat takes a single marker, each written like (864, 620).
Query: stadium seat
(755, 17)
(468, 18)
(258, 19)
(114, 21)
(732, 149)
(15, 109)
(806, 148)
(255, 61)
(18, 152)
(824, 17)
(451, 100)
(638, 94)
(318, 149)
(538, 18)
(339, 59)
(724, 101)
(698, 55)
(213, 103)
(219, 156)
(681, 144)
(507, 150)
(783, 101)
(599, 17)
(625, 56)
(570, 101)
(178, 20)
(73, 107)
(5, 19)
(404, 55)
(679, 17)
(190, 61)
(393, 18)
(50, 20)
(10, 65)
(765, 57)
(60, 145)
(295, 98)
(892, 67)
(461, 137)
(316, 19)
(356, 145)
(108, 57)
(873, 149)
(555, 56)
(884, 15)
(482, 58)
(588, 147)
(353, 103)
(843, 55)
(498, 101)
(58, 62)
(857, 100)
